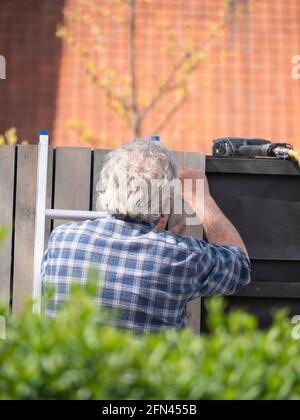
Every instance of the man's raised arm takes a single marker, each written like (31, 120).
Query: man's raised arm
(218, 228)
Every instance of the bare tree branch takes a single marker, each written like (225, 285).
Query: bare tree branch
(178, 66)
(170, 114)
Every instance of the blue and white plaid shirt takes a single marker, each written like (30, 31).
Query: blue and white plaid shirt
(148, 275)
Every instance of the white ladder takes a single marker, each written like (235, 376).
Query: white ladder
(42, 213)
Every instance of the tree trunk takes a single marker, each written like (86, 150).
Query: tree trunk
(135, 119)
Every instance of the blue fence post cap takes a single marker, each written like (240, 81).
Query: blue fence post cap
(155, 138)
(44, 133)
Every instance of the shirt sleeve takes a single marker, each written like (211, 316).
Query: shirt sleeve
(219, 270)
(43, 265)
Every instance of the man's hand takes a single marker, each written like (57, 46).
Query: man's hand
(162, 222)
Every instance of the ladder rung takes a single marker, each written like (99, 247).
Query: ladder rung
(74, 214)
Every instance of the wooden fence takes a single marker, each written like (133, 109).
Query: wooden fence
(261, 197)
(72, 177)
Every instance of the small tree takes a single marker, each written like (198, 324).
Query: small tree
(11, 138)
(122, 92)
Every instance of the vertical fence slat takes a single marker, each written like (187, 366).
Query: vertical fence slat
(72, 180)
(195, 161)
(7, 169)
(25, 222)
(99, 158)
(24, 225)
(49, 198)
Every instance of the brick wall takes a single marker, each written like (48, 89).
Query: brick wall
(243, 88)
(28, 95)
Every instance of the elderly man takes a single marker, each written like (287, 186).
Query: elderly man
(147, 274)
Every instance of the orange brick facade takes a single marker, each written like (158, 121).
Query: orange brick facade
(244, 87)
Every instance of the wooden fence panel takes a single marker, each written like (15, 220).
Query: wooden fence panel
(99, 158)
(195, 161)
(7, 175)
(25, 222)
(72, 180)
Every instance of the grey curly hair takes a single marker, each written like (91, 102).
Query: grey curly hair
(135, 180)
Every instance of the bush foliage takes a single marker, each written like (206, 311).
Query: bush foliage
(73, 357)
(11, 138)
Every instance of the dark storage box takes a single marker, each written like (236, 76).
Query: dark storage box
(262, 198)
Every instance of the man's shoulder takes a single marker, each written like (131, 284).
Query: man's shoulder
(79, 231)
(182, 243)
(75, 228)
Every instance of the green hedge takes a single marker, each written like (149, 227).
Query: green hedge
(72, 357)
